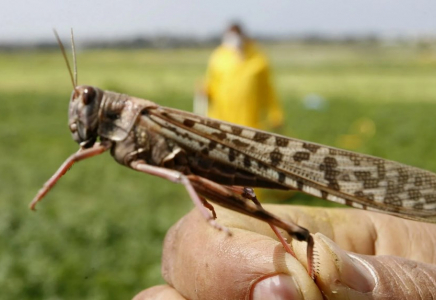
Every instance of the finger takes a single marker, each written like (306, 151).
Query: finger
(202, 263)
(160, 292)
(345, 275)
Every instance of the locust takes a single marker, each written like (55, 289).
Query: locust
(221, 162)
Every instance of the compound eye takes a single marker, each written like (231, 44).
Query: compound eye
(88, 95)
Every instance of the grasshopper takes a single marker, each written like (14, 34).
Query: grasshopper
(215, 160)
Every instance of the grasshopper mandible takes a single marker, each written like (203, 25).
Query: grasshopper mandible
(214, 160)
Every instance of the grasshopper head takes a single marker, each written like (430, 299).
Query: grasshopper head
(83, 114)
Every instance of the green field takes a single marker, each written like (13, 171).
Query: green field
(98, 234)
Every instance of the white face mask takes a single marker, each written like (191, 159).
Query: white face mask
(233, 40)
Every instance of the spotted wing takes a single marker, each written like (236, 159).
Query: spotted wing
(345, 177)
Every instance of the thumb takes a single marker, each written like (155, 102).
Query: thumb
(346, 275)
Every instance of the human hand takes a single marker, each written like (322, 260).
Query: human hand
(392, 258)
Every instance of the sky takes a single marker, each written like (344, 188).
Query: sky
(32, 21)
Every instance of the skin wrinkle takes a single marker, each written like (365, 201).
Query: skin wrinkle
(383, 271)
(384, 224)
(408, 252)
(414, 236)
(418, 288)
(374, 237)
(432, 279)
(420, 279)
(395, 276)
(170, 241)
(196, 275)
(407, 278)
(429, 234)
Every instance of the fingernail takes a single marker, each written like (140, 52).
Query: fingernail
(352, 272)
(277, 287)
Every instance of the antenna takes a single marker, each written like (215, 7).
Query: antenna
(73, 47)
(65, 57)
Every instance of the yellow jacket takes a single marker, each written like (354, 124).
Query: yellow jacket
(239, 88)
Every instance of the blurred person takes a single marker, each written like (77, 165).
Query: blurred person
(238, 84)
(238, 89)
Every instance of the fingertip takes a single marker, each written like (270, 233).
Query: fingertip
(340, 271)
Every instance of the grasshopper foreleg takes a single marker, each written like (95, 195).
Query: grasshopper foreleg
(82, 154)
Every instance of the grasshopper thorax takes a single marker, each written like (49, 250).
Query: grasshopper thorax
(83, 114)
